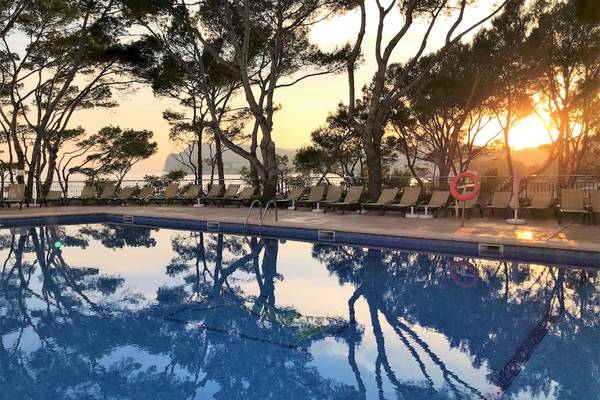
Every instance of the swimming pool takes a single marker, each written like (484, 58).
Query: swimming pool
(109, 311)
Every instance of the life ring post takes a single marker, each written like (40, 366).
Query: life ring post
(465, 195)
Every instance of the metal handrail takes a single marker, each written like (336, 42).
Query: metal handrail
(250, 212)
(264, 214)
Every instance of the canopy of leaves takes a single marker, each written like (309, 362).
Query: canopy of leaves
(117, 150)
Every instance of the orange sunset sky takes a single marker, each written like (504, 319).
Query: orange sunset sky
(305, 106)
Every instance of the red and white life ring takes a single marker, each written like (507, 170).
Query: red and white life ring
(465, 196)
(464, 274)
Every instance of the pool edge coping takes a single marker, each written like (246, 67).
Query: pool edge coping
(531, 253)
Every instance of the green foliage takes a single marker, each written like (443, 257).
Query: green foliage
(566, 52)
(258, 46)
(439, 121)
(398, 178)
(162, 181)
(80, 54)
(118, 150)
(590, 164)
(338, 149)
(175, 176)
(309, 160)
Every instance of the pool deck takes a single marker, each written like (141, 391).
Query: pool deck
(539, 233)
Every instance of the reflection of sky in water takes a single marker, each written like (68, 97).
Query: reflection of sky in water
(264, 319)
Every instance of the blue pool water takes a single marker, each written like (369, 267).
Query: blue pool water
(122, 312)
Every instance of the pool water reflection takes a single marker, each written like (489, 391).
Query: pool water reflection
(121, 312)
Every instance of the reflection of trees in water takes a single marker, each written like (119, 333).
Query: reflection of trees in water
(65, 334)
(68, 331)
(500, 322)
(40, 300)
(115, 236)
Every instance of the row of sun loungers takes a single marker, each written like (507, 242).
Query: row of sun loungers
(171, 196)
(325, 198)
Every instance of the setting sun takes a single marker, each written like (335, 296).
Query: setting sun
(530, 132)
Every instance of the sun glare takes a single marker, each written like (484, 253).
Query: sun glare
(530, 132)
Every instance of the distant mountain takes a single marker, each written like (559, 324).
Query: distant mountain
(231, 161)
(528, 160)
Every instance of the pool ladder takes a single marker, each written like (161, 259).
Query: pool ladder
(261, 212)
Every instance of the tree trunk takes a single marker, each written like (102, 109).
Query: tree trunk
(372, 145)
(199, 169)
(253, 147)
(561, 144)
(254, 176)
(508, 152)
(33, 175)
(271, 173)
(375, 174)
(10, 160)
(52, 158)
(212, 173)
(444, 172)
(219, 160)
(20, 155)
